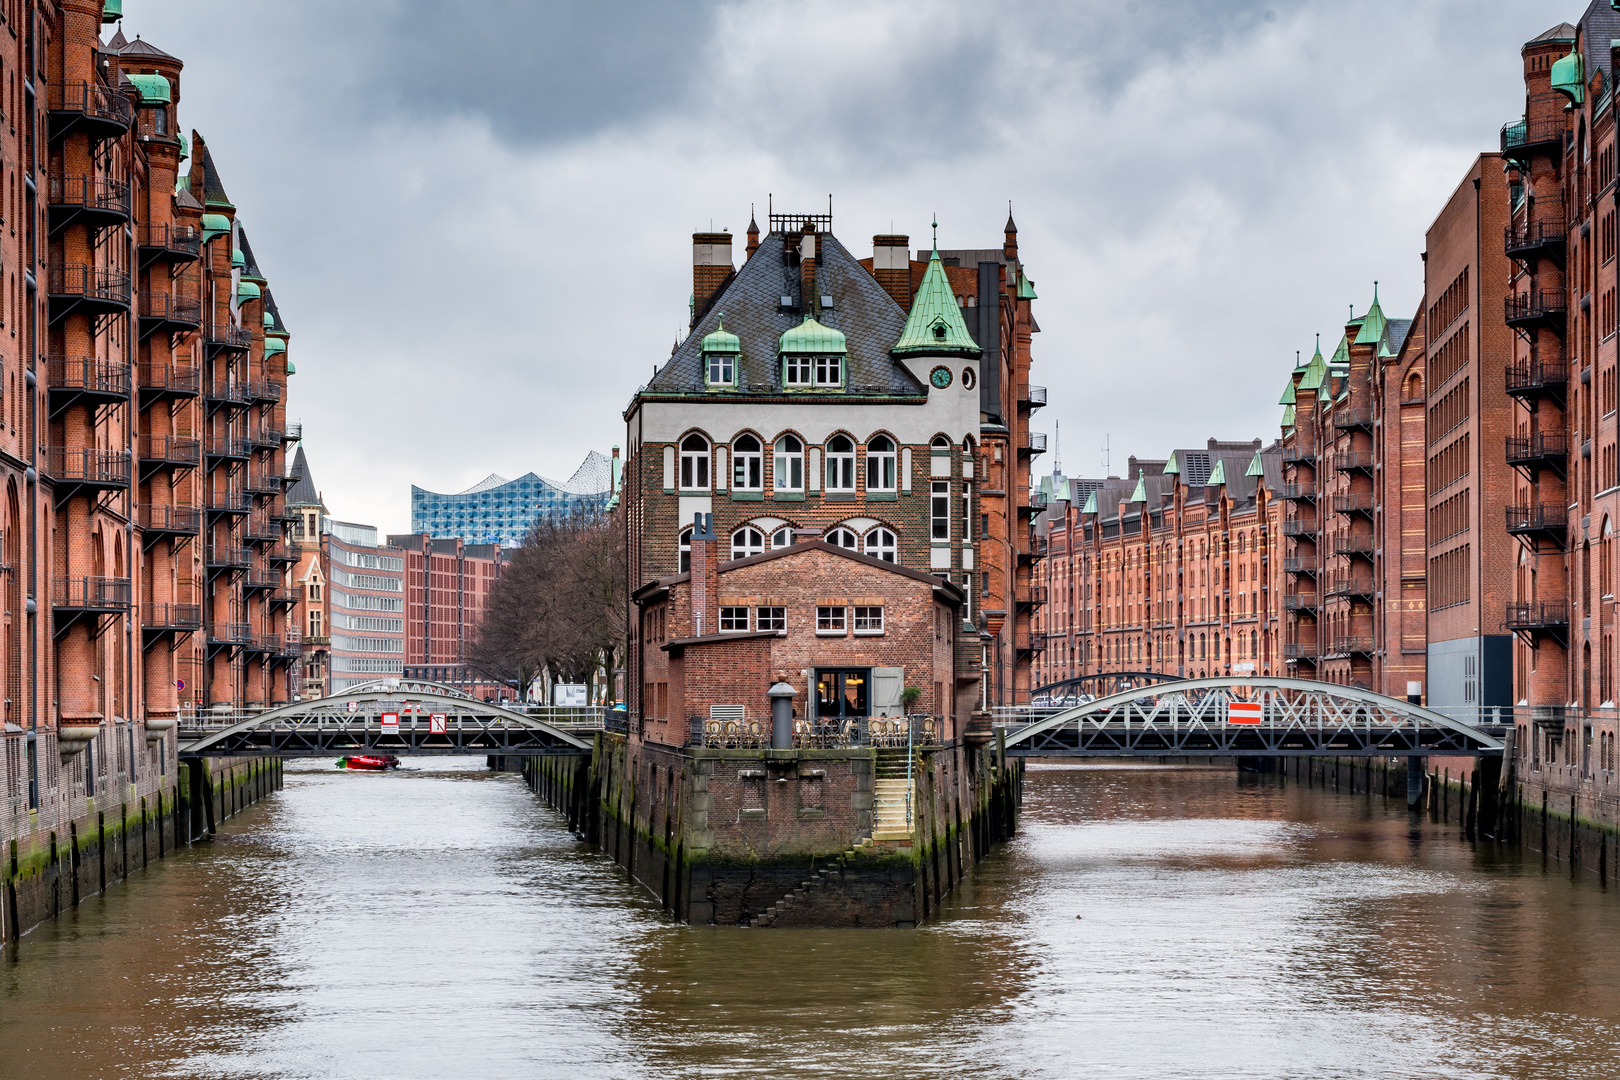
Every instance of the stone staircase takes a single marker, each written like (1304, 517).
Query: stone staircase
(891, 798)
(801, 907)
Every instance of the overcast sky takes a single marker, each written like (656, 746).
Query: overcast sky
(476, 216)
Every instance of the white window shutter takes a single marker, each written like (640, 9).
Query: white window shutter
(905, 469)
(669, 468)
(814, 469)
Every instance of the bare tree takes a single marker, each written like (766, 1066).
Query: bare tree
(558, 605)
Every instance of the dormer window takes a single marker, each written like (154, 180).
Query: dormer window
(812, 357)
(722, 369)
(721, 350)
(829, 371)
(798, 371)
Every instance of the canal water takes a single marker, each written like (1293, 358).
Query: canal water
(1147, 922)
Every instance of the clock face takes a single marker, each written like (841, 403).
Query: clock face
(940, 377)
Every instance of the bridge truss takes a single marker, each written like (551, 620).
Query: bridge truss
(428, 719)
(1273, 717)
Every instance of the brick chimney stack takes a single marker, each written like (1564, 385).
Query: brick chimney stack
(1009, 249)
(891, 265)
(809, 256)
(705, 577)
(711, 269)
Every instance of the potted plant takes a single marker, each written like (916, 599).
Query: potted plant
(908, 698)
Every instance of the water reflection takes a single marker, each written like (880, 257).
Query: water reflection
(438, 922)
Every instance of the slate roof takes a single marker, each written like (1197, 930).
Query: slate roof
(751, 304)
(1601, 25)
(250, 265)
(1396, 332)
(213, 192)
(302, 492)
(138, 47)
(270, 306)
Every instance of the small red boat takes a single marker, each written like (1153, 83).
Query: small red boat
(369, 762)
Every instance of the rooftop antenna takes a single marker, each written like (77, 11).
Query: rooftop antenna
(1107, 454)
(1057, 448)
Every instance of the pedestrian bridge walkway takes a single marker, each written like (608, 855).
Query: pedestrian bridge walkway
(391, 716)
(1246, 716)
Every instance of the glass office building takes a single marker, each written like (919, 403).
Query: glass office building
(500, 511)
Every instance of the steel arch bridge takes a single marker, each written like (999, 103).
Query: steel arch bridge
(430, 719)
(1105, 682)
(1244, 716)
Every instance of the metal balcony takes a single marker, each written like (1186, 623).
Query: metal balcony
(82, 380)
(1299, 601)
(1355, 502)
(86, 599)
(1356, 546)
(1353, 645)
(167, 382)
(261, 580)
(262, 484)
(1294, 564)
(167, 523)
(1534, 240)
(162, 453)
(1539, 522)
(1299, 650)
(1544, 619)
(86, 471)
(264, 391)
(90, 108)
(294, 432)
(1529, 380)
(1542, 450)
(282, 556)
(1299, 455)
(163, 313)
(169, 243)
(93, 201)
(261, 530)
(1354, 461)
(1298, 527)
(267, 644)
(1353, 419)
(85, 290)
(165, 621)
(228, 636)
(1034, 443)
(283, 597)
(229, 503)
(1537, 308)
(228, 557)
(229, 448)
(1523, 139)
(226, 394)
(228, 339)
(1034, 397)
(1359, 588)
(1305, 492)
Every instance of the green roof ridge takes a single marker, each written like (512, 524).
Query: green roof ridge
(1091, 503)
(1217, 475)
(720, 339)
(934, 325)
(1172, 467)
(1288, 392)
(1315, 372)
(1288, 417)
(1255, 468)
(811, 336)
(1140, 494)
(1372, 323)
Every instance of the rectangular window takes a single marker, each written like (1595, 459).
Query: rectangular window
(967, 516)
(830, 620)
(733, 618)
(940, 511)
(719, 369)
(796, 372)
(869, 620)
(770, 618)
(829, 371)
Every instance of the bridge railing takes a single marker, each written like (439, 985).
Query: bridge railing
(411, 712)
(877, 731)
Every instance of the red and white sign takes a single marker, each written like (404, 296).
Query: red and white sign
(390, 721)
(1244, 712)
(437, 724)
(354, 706)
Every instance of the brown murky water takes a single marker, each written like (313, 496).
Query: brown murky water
(440, 923)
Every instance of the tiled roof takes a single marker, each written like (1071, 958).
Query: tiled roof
(213, 192)
(752, 305)
(141, 48)
(250, 265)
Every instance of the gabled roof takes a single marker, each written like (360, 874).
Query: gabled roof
(141, 48)
(1315, 370)
(803, 547)
(935, 326)
(1372, 323)
(752, 301)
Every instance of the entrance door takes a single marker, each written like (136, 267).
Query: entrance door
(842, 694)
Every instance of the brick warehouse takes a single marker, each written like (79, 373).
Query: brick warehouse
(826, 488)
(1174, 571)
(139, 340)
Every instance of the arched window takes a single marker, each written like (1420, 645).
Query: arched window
(789, 464)
(686, 551)
(783, 537)
(695, 462)
(880, 544)
(747, 541)
(842, 538)
(940, 445)
(880, 464)
(748, 464)
(841, 463)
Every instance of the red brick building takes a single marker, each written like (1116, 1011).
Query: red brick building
(447, 583)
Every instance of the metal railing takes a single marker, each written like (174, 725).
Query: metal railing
(186, 520)
(1535, 377)
(1542, 446)
(1301, 492)
(1035, 442)
(1535, 304)
(90, 99)
(230, 502)
(1353, 460)
(264, 390)
(754, 733)
(1299, 601)
(90, 593)
(1352, 644)
(103, 468)
(1353, 503)
(170, 378)
(1536, 517)
(1538, 615)
(1351, 586)
(1298, 527)
(169, 449)
(167, 616)
(1346, 419)
(1353, 545)
(230, 557)
(1035, 395)
(1532, 235)
(88, 375)
(88, 282)
(1299, 650)
(230, 633)
(182, 238)
(90, 193)
(1294, 564)
(227, 446)
(171, 308)
(294, 432)
(229, 337)
(1520, 135)
(1299, 455)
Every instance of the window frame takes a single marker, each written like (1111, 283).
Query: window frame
(794, 461)
(843, 530)
(883, 462)
(869, 630)
(775, 621)
(729, 612)
(876, 549)
(693, 464)
(939, 495)
(828, 370)
(746, 548)
(798, 370)
(683, 550)
(728, 360)
(832, 620)
(840, 464)
(744, 460)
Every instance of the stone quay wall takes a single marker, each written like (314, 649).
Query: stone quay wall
(729, 836)
(91, 821)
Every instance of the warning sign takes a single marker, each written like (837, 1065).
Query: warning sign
(437, 723)
(1243, 712)
(390, 721)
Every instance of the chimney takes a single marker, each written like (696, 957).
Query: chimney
(711, 268)
(809, 256)
(705, 577)
(891, 265)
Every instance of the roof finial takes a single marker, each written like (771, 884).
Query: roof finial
(1352, 313)
(1375, 290)
(936, 232)
(1318, 341)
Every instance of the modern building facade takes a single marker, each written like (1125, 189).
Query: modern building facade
(365, 605)
(447, 583)
(501, 512)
